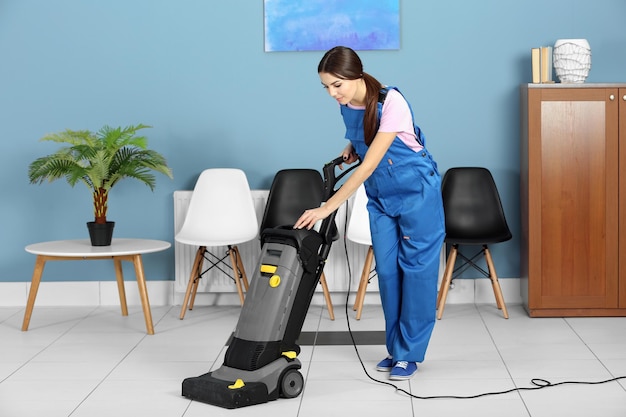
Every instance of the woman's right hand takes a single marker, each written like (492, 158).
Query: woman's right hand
(348, 155)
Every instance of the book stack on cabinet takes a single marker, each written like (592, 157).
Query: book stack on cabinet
(542, 66)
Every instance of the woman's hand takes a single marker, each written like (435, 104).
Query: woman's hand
(348, 155)
(310, 217)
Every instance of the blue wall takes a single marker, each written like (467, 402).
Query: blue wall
(196, 71)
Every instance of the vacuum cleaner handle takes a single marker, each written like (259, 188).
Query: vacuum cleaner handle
(330, 177)
(328, 228)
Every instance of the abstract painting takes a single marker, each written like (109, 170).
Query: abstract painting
(318, 25)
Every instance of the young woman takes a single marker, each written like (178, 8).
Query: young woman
(404, 204)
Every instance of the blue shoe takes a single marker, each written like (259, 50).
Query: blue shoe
(403, 370)
(385, 365)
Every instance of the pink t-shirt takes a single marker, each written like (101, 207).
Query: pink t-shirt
(397, 118)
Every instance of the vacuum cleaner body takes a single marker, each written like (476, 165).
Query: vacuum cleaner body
(261, 361)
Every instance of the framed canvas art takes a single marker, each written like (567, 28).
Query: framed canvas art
(318, 25)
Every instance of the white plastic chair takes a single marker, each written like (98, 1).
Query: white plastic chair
(221, 213)
(359, 232)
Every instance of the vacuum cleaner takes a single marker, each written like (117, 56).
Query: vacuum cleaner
(261, 363)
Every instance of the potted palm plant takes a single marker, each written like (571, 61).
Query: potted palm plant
(99, 160)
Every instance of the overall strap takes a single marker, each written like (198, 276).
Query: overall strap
(382, 95)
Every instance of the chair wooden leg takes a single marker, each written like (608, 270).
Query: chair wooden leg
(497, 290)
(196, 281)
(194, 291)
(238, 273)
(329, 301)
(365, 275)
(241, 269)
(197, 264)
(364, 278)
(355, 307)
(445, 282)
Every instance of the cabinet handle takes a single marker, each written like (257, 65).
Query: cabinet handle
(611, 97)
(624, 98)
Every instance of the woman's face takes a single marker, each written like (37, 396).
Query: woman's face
(344, 91)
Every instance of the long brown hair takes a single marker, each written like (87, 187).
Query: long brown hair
(344, 63)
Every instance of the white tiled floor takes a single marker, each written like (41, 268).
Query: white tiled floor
(92, 362)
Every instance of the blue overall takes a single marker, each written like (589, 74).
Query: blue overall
(407, 227)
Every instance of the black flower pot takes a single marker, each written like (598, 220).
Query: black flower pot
(100, 234)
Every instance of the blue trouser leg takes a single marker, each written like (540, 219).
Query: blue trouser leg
(407, 246)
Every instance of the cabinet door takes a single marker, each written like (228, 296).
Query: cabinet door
(622, 197)
(573, 158)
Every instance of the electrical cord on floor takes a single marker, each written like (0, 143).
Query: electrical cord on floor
(538, 383)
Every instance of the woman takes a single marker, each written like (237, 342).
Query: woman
(404, 204)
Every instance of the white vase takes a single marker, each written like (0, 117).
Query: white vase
(572, 60)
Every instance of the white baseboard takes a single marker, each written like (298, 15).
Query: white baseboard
(84, 293)
(160, 293)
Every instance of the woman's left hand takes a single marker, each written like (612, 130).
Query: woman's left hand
(310, 217)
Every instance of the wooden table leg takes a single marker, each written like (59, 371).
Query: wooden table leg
(119, 275)
(34, 287)
(143, 292)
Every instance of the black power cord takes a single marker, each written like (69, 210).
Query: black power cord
(538, 383)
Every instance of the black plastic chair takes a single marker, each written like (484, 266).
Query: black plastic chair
(474, 216)
(292, 192)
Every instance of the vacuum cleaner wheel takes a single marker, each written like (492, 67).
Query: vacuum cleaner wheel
(291, 383)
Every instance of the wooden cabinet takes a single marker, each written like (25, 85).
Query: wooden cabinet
(573, 203)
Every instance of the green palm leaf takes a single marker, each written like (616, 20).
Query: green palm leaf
(99, 160)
